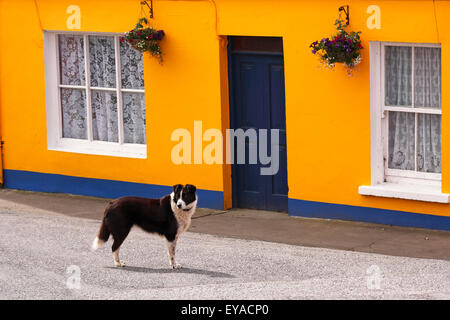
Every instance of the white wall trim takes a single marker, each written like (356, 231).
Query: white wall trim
(427, 193)
(376, 136)
(126, 150)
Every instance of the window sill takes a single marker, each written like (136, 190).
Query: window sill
(101, 148)
(404, 191)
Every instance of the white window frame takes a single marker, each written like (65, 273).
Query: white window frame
(55, 139)
(386, 182)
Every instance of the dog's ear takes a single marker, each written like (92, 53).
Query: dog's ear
(177, 187)
(191, 188)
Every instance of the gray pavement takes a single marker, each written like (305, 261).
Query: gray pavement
(38, 248)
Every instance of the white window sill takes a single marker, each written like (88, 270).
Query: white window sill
(101, 148)
(427, 193)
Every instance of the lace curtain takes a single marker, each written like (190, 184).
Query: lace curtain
(102, 63)
(104, 103)
(73, 101)
(132, 66)
(405, 152)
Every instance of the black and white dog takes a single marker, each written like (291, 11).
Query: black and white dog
(169, 216)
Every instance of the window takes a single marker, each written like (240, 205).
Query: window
(412, 110)
(95, 95)
(406, 121)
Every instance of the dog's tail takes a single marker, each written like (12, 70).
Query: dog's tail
(102, 236)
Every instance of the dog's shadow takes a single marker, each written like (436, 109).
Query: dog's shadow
(213, 274)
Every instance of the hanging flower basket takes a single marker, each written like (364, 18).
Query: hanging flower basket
(145, 39)
(343, 47)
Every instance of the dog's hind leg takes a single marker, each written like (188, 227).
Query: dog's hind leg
(119, 237)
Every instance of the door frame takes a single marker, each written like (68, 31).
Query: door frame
(231, 106)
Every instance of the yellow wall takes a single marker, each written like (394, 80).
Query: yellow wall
(328, 113)
(185, 88)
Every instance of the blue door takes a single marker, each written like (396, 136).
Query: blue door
(257, 101)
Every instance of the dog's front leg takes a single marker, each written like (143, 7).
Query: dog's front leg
(171, 247)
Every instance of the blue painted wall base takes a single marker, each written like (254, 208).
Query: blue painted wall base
(311, 209)
(111, 189)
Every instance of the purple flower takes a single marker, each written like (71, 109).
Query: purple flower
(160, 34)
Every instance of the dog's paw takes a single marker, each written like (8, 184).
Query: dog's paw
(176, 266)
(119, 264)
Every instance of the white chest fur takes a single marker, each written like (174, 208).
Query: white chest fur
(183, 217)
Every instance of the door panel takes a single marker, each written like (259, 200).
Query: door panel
(249, 192)
(276, 197)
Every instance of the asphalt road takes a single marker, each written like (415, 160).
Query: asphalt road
(43, 254)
